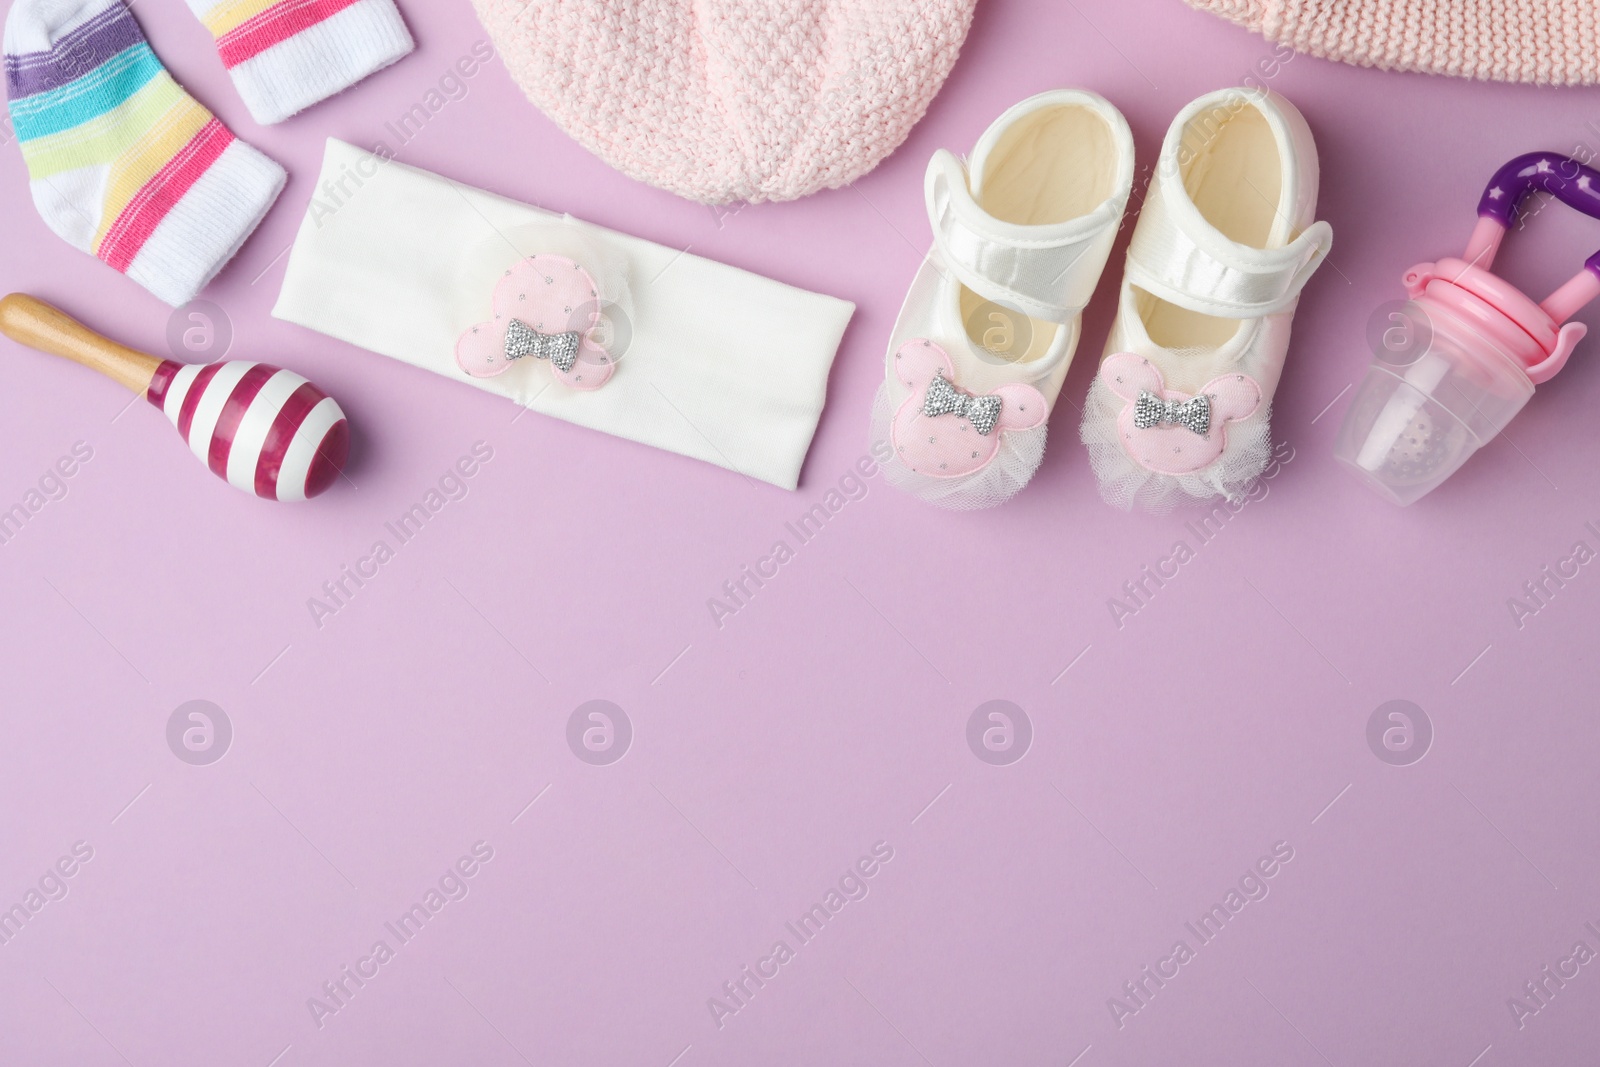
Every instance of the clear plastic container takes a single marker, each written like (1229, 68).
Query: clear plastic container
(1417, 418)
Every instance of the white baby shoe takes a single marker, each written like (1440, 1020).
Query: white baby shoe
(983, 341)
(1224, 243)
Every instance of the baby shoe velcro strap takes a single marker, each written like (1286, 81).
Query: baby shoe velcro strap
(1045, 272)
(1205, 272)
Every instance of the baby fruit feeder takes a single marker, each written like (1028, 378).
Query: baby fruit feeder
(1479, 345)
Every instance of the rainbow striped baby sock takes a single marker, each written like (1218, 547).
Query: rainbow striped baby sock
(286, 55)
(123, 163)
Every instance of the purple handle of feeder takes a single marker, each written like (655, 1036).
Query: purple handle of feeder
(1563, 177)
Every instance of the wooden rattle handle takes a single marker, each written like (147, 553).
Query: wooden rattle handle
(32, 322)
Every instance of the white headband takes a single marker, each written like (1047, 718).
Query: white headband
(695, 357)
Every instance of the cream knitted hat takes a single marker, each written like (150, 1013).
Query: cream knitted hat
(1547, 42)
(723, 100)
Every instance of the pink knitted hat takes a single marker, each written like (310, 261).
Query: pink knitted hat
(722, 100)
(1547, 42)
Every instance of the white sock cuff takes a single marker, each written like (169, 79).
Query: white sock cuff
(321, 60)
(205, 228)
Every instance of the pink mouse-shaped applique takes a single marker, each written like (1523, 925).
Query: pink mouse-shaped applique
(944, 432)
(546, 309)
(1171, 432)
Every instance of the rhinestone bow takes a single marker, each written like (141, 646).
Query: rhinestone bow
(1151, 410)
(559, 348)
(945, 399)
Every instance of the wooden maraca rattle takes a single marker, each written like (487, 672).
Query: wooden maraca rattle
(267, 431)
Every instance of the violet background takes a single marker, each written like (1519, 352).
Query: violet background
(831, 712)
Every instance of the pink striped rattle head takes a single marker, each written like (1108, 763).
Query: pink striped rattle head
(265, 430)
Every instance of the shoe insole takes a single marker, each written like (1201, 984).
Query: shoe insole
(1004, 333)
(1053, 165)
(1234, 175)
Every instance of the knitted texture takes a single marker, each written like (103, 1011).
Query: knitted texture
(285, 55)
(123, 164)
(1546, 42)
(725, 100)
